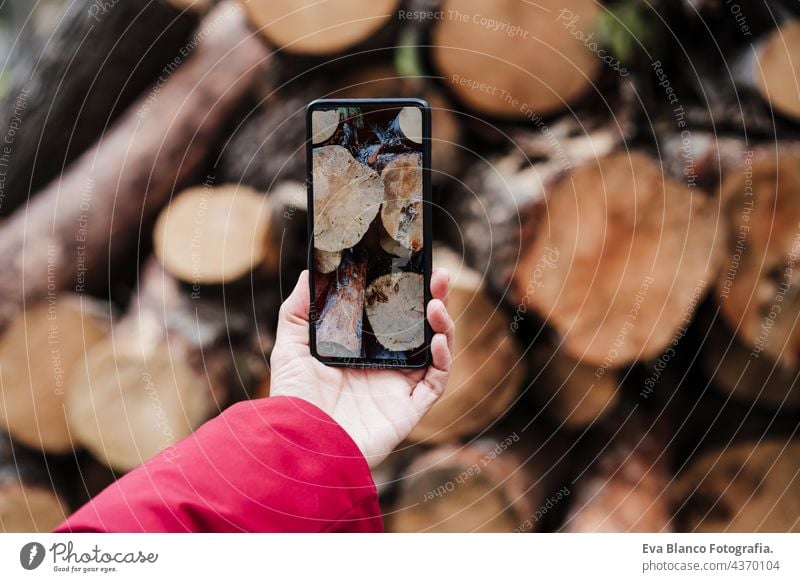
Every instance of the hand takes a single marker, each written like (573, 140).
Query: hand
(378, 408)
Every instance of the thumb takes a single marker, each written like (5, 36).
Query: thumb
(293, 315)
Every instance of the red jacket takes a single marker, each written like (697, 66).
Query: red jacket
(269, 465)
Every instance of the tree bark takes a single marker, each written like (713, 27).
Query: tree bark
(71, 87)
(339, 325)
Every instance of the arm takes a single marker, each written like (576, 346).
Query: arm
(297, 461)
(271, 465)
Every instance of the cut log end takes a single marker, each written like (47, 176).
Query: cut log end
(402, 210)
(324, 124)
(347, 197)
(535, 66)
(313, 28)
(214, 235)
(410, 121)
(395, 309)
(125, 409)
(38, 353)
(151, 382)
(654, 241)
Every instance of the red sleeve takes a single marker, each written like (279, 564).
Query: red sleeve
(269, 465)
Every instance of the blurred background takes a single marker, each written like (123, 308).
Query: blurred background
(616, 194)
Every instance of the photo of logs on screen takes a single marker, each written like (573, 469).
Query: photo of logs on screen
(367, 183)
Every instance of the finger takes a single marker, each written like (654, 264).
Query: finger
(433, 384)
(440, 321)
(293, 315)
(440, 283)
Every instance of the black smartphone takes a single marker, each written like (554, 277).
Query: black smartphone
(369, 225)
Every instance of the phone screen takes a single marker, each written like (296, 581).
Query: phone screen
(369, 255)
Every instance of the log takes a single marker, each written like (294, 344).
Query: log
(488, 368)
(621, 255)
(91, 216)
(71, 86)
(775, 69)
(410, 121)
(39, 351)
(324, 123)
(501, 201)
(216, 235)
(480, 487)
(28, 501)
(154, 381)
(347, 197)
(396, 311)
(757, 287)
(338, 328)
(402, 211)
(516, 60)
(572, 393)
(313, 28)
(743, 487)
(623, 489)
(730, 364)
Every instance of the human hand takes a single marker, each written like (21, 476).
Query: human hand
(378, 408)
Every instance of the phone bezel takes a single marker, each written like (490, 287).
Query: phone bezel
(426, 228)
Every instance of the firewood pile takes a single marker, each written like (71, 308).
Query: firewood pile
(615, 195)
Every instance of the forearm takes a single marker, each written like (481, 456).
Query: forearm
(273, 465)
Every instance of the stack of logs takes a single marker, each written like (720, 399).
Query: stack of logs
(618, 218)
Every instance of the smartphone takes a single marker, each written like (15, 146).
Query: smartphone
(369, 228)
